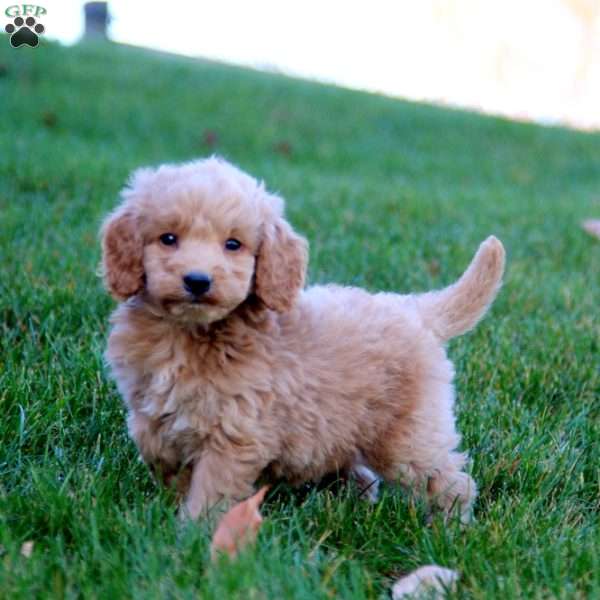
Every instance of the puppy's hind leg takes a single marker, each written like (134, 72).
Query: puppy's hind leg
(435, 473)
(418, 450)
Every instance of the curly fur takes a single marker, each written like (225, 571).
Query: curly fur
(263, 378)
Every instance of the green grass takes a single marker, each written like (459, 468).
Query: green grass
(391, 195)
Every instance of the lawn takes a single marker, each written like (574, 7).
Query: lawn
(391, 195)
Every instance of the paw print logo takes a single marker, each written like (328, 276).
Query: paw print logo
(27, 32)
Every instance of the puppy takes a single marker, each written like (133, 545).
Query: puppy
(230, 370)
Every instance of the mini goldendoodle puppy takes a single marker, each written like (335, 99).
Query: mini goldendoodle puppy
(231, 371)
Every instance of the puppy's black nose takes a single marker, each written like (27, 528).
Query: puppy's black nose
(196, 283)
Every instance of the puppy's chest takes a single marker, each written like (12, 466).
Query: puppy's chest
(174, 400)
(179, 400)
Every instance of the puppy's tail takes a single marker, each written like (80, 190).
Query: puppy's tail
(457, 308)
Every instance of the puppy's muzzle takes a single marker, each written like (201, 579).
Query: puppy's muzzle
(196, 283)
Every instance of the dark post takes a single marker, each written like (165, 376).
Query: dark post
(96, 20)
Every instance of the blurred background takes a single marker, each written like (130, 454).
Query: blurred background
(537, 60)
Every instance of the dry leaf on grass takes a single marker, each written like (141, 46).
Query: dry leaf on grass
(592, 226)
(430, 581)
(238, 527)
(27, 549)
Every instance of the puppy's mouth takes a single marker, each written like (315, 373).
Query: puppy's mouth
(208, 300)
(189, 300)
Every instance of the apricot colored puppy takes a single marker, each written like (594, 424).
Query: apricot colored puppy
(231, 370)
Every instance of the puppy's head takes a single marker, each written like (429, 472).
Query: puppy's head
(197, 239)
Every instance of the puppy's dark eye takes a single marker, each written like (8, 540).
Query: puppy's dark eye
(233, 244)
(168, 239)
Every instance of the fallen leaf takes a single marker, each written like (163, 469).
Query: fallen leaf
(27, 549)
(430, 580)
(433, 266)
(592, 226)
(239, 526)
(49, 118)
(210, 138)
(283, 147)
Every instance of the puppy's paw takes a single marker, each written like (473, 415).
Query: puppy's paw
(454, 493)
(367, 481)
(430, 581)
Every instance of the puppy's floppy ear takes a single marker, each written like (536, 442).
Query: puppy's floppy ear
(122, 253)
(281, 265)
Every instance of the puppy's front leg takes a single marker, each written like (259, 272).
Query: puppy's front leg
(218, 479)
